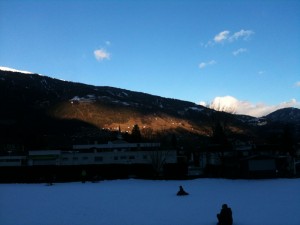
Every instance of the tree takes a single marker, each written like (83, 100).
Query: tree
(174, 141)
(288, 140)
(136, 133)
(148, 134)
(219, 136)
(158, 160)
(221, 142)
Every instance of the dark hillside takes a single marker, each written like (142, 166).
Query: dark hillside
(41, 111)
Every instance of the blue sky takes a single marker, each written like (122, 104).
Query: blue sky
(188, 50)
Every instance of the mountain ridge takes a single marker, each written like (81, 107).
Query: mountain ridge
(40, 106)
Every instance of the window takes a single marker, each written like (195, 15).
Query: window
(132, 157)
(10, 160)
(98, 159)
(116, 158)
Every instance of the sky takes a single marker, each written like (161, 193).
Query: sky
(149, 202)
(195, 50)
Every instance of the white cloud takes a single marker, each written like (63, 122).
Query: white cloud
(239, 51)
(203, 103)
(242, 34)
(221, 36)
(297, 84)
(225, 104)
(225, 37)
(202, 65)
(101, 54)
(232, 105)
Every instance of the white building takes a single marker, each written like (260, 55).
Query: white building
(118, 152)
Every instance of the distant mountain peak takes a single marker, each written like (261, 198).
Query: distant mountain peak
(285, 115)
(3, 68)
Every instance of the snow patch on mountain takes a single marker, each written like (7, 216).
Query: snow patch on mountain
(86, 99)
(195, 109)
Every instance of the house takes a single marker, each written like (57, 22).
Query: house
(209, 160)
(259, 166)
(243, 159)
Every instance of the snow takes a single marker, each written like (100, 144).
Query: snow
(87, 99)
(196, 109)
(14, 70)
(148, 202)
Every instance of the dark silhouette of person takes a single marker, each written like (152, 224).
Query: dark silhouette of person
(181, 191)
(83, 176)
(225, 216)
(51, 179)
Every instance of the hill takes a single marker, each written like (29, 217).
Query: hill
(286, 115)
(40, 111)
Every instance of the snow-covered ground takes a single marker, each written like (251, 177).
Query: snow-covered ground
(147, 202)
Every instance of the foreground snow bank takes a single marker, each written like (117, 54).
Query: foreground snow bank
(146, 202)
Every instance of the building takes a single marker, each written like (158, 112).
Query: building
(117, 159)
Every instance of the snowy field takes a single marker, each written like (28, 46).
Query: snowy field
(146, 202)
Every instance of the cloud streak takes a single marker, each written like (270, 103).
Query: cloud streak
(222, 36)
(226, 37)
(202, 65)
(297, 84)
(242, 34)
(239, 51)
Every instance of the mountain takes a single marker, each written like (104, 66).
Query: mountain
(286, 115)
(40, 111)
(35, 107)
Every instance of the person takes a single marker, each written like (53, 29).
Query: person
(83, 176)
(225, 216)
(181, 191)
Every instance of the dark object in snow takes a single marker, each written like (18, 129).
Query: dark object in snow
(83, 176)
(51, 179)
(181, 192)
(95, 179)
(225, 216)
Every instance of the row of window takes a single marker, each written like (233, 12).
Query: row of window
(10, 160)
(100, 158)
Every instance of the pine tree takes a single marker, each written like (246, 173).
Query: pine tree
(136, 133)
(219, 136)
